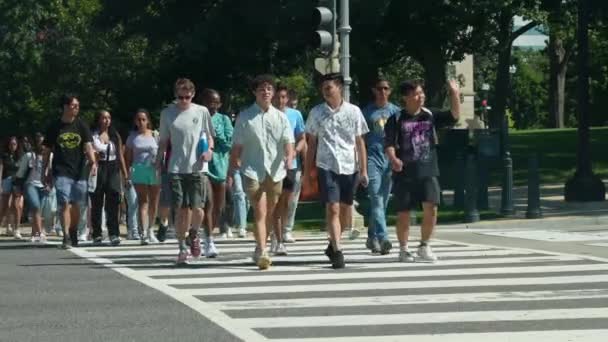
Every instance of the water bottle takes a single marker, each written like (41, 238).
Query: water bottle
(203, 145)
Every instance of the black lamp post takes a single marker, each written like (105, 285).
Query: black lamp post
(506, 203)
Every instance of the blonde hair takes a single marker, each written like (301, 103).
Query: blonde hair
(184, 84)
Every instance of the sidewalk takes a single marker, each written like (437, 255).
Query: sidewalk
(555, 210)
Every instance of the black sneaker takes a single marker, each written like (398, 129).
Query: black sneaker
(161, 234)
(337, 260)
(373, 245)
(114, 240)
(385, 247)
(74, 237)
(97, 241)
(329, 251)
(66, 243)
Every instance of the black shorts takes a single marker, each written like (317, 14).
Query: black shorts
(335, 188)
(289, 182)
(409, 193)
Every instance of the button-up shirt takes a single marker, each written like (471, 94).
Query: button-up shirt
(336, 132)
(263, 136)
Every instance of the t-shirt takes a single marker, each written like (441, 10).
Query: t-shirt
(218, 166)
(376, 119)
(67, 141)
(296, 121)
(184, 129)
(9, 165)
(144, 148)
(414, 138)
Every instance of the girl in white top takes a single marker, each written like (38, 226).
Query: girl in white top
(30, 172)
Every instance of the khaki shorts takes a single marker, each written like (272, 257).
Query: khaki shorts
(255, 189)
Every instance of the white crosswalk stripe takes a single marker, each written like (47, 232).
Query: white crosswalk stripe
(473, 293)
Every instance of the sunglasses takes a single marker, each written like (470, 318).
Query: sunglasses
(184, 97)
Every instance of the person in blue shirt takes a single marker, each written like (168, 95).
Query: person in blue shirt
(377, 114)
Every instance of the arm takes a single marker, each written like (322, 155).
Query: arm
(362, 151)
(309, 160)
(389, 144)
(121, 159)
(228, 132)
(90, 153)
(454, 98)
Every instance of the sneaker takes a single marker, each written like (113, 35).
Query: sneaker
(73, 237)
(337, 260)
(114, 240)
(228, 233)
(9, 231)
(151, 237)
(329, 251)
(182, 258)
(274, 244)
(35, 238)
(373, 245)
(65, 244)
(223, 236)
(17, 234)
(353, 234)
(42, 238)
(385, 247)
(161, 234)
(58, 231)
(133, 235)
(242, 233)
(406, 256)
(195, 246)
(425, 253)
(83, 237)
(97, 241)
(264, 261)
(210, 250)
(143, 240)
(288, 237)
(281, 249)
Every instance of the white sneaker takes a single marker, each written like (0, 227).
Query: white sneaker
(274, 244)
(210, 250)
(35, 238)
(280, 249)
(42, 238)
(144, 240)
(228, 233)
(353, 234)
(406, 256)
(288, 237)
(83, 237)
(425, 253)
(17, 235)
(151, 237)
(242, 233)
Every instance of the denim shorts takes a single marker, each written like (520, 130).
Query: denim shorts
(34, 196)
(70, 191)
(7, 185)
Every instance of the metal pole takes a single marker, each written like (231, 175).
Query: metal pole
(345, 30)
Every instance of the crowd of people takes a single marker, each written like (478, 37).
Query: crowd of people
(200, 169)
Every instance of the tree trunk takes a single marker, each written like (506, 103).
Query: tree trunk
(502, 85)
(557, 81)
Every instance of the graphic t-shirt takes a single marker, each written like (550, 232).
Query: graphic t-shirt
(414, 138)
(376, 118)
(67, 141)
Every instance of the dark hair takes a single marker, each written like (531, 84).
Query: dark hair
(292, 94)
(380, 78)
(334, 76)
(18, 151)
(261, 79)
(409, 86)
(148, 116)
(207, 93)
(66, 99)
(112, 132)
(282, 87)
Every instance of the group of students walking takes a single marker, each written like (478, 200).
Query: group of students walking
(198, 156)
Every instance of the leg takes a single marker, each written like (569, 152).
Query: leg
(17, 204)
(111, 206)
(239, 204)
(154, 193)
(97, 203)
(334, 225)
(142, 203)
(429, 220)
(292, 207)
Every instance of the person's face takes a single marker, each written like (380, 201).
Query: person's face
(27, 145)
(141, 121)
(214, 103)
(281, 99)
(72, 108)
(293, 103)
(331, 90)
(12, 145)
(184, 98)
(39, 140)
(105, 119)
(264, 93)
(414, 99)
(382, 91)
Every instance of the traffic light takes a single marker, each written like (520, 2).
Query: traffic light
(324, 16)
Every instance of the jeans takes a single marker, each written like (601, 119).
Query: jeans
(132, 207)
(379, 189)
(34, 196)
(239, 202)
(293, 203)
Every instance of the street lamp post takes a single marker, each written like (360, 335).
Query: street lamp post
(506, 203)
(345, 30)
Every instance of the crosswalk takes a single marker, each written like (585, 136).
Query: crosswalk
(473, 293)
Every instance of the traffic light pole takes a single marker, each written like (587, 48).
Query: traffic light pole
(345, 30)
